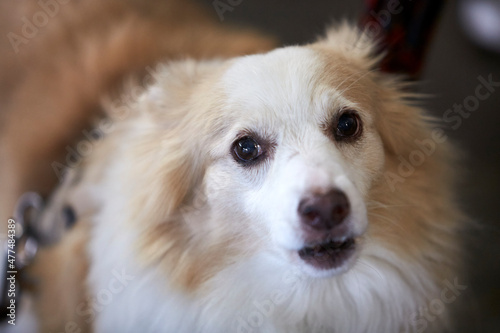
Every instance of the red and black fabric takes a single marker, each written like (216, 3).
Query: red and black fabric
(404, 29)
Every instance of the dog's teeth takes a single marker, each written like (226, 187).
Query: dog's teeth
(328, 247)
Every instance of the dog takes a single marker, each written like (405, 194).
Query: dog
(292, 190)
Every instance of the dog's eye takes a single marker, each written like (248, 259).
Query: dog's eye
(247, 149)
(348, 126)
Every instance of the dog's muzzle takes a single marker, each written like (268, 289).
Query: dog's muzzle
(324, 222)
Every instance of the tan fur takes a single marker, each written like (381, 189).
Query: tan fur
(58, 281)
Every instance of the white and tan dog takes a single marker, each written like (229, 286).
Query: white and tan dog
(264, 193)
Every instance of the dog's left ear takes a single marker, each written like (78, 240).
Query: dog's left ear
(165, 140)
(351, 43)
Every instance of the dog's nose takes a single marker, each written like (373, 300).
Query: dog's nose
(325, 211)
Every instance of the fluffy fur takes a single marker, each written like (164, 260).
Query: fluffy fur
(178, 237)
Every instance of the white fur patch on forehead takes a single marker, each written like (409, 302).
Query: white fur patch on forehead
(282, 77)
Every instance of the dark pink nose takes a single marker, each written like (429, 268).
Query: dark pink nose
(324, 212)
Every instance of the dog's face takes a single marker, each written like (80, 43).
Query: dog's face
(284, 153)
(228, 175)
(297, 157)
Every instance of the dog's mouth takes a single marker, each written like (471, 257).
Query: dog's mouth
(329, 254)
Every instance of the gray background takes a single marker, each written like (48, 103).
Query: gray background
(450, 75)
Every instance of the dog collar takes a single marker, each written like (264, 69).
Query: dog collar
(20, 247)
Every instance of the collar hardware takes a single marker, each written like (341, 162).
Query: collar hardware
(18, 249)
